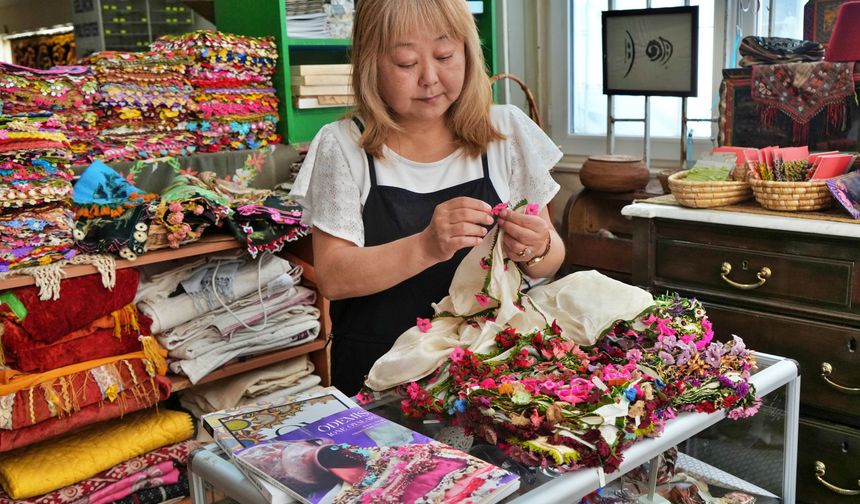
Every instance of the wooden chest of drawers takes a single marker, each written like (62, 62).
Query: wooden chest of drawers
(787, 286)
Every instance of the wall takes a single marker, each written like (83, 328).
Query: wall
(26, 15)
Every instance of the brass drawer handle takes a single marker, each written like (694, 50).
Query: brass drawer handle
(762, 275)
(819, 475)
(826, 371)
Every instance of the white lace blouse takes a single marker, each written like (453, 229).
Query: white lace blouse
(333, 183)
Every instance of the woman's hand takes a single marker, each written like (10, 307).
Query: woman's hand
(458, 223)
(526, 236)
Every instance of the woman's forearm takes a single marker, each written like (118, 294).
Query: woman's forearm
(344, 270)
(549, 265)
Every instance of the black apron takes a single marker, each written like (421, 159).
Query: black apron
(364, 328)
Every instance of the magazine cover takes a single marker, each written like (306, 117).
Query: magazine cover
(355, 456)
(236, 428)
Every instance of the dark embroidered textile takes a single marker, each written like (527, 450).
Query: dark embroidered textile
(741, 122)
(802, 90)
(268, 226)
(769, 50)
(160, 494)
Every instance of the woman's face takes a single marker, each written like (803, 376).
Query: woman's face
(422, 75)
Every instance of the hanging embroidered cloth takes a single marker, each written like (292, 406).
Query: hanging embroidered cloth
(801, 91)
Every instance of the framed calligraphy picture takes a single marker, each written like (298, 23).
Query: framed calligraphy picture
(651, 52)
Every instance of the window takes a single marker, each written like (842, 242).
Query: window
(580, 125)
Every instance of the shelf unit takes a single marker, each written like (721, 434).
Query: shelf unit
(298, 253)
(127, 25)
(261, 18)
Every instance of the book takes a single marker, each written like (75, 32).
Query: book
(321, 79)
(356, 456)
(312, 102)
(261, 421)
(337, 69)
(335, 89)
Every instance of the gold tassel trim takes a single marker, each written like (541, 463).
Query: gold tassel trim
(154, 353)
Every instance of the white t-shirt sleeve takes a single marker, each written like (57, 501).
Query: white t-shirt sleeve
(327, 190)
(529, 154)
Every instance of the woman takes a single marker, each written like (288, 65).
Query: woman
(399, 193)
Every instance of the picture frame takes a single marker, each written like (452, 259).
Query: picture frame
(651, 52)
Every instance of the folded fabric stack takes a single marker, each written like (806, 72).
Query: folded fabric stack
(35, 190)
(232, 79)
(144, 101)
(66, 364)
(271, 384)
(58, 99)
(770, 50)
(105, 462)
(229, 307)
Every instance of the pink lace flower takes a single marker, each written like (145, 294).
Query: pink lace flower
(532, 209)
(488, 383)
(423, 324)
(482, 299)
(498, 208)
(457, 354)
(175, 207)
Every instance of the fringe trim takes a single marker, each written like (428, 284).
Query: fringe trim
(105, 264)
(152, 350)
(47, 278)
(767, 116)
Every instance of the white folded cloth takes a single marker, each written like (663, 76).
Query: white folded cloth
(167, 313)
(583, 304)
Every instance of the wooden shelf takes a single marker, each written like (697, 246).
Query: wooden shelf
(240, 366)
(206, 245)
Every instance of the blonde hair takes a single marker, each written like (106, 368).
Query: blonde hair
(377, 26)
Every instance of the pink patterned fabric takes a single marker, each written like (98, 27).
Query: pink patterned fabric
(162, 474)
(177, 453)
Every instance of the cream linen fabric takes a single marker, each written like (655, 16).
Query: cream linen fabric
(584, 304)
(230, 392)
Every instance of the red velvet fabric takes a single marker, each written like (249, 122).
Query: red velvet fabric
(95, 341)
(82, 300)
(129, 401)
(73, 393)
(844, 42)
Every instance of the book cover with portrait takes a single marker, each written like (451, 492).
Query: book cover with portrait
(355, 456)
(243, 426)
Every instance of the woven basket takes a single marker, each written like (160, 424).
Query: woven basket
(157, 236)
(707, 194)
(792, 196)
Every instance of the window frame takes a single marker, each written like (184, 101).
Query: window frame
(560, 75)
